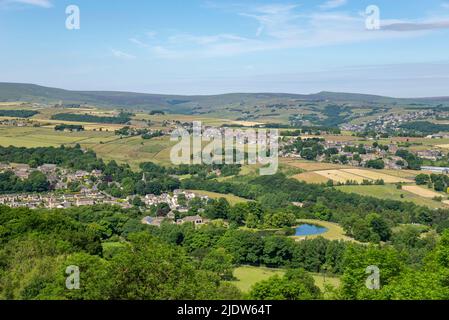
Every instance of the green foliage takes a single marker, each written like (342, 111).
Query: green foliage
(294, 285)
(36, 182)
(375, 164)
(69, 127)
(18, 113)
(120, 119)
(74, 158)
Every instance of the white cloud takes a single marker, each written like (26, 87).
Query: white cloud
(283, 26)
(37, 3)
(122, 55)
(139, 42)
(415, 26)
(332, 4)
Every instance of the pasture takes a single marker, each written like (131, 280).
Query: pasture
(135, 150)
(340, 176)
(359, 175)
(31, 137)
(422, 192)
(248, 276)
(312, 165)
(232, 199)
(311, 177)
(390, 192)
(376, 175)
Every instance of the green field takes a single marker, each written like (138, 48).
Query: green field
(247, 276)
(232, 199)
(46, 137)
(135, 150)
(106, 144)
(392, 193)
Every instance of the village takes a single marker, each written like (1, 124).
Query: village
(87, 195)
(391, 121)
(351, 153)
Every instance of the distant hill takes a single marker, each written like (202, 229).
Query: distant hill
(185, 104)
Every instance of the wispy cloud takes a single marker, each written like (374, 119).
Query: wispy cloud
(139, 43)
(284, 26)
(122, 55)
(410, 26)
(445, 5)
(332, 4)
(37, 3)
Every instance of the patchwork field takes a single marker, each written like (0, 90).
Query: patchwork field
(107, 145)
(390, 192)
(311, 177)
(312, 166)
(422, 192)
(45, 137)
(375, 175)
(340, 176)
(359, 175)
(135, 150)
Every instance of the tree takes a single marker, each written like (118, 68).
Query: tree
(295, 285)
(277, 251)
(217, 209)
(379, 226)
(279, 219)
(246, 247)
(355, 262)
(375, 164)
(219, 262)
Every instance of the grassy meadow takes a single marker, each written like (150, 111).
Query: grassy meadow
(247, 276)
(392, 193)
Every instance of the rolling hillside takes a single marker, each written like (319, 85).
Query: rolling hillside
(183, 104)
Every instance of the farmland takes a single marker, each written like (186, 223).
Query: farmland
(392, 193)
(340, 176)
(423, 192)
(247, 276)
(375, 175)
(233, 200)
(359, 175)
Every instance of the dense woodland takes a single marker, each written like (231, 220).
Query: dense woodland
(122, 118)
(18, 113)
(121, 258)
(10, 183)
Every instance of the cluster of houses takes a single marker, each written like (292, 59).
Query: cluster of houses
(391, 121)
(17, 123)
(59, 177)
(173, 202)
(90, 196)
(372, 153)
(60, 201)
(157, 221)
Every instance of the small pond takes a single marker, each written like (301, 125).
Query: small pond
(309, 230)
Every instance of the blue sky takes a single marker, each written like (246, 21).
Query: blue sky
(209, 47)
